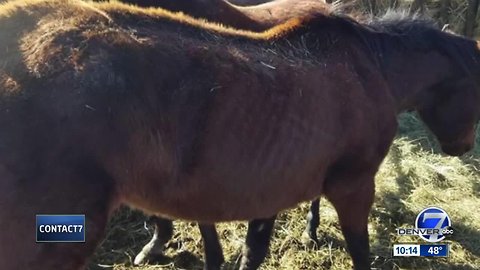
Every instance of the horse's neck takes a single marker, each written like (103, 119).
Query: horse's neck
(410, 73)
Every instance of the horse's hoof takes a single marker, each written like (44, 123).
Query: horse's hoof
(140, 259)
(146, 255)
(311, 241)
(216, 267)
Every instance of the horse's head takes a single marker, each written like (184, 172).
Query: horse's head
(435, 72)
(451, 110)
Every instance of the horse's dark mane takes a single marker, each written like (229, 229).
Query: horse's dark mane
(400, 21)
(394, 31)
(401, 30)
(410, 31)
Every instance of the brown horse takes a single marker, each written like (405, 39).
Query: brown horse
(253, 18)
(213, 250)
(256, 18)
(103, 104)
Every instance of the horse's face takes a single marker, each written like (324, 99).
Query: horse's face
(451, 111)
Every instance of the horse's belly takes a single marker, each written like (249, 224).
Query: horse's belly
(216, 199)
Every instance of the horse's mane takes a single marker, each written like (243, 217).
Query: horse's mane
(401, 30)
(411, 30)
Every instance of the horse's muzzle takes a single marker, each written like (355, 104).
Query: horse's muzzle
(460, 146)
(456, 149)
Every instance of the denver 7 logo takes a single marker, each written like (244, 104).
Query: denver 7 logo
(433, 218)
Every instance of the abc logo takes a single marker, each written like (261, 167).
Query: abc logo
(447, 231)
(437, 220)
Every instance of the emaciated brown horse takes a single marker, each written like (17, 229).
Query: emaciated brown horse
(254, 18)
(97, 109)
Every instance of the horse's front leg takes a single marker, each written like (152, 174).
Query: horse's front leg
(313, 221)
(162, 234)
(213, 253)
(353, 208)
(257, 243)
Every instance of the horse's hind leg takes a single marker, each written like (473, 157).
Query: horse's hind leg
(353, 209)
(213, 250)
(82, 190)
(162, 234)
(313, 220)
(257, 243)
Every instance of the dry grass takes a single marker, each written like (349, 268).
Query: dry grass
(455, 11)
(413, 176)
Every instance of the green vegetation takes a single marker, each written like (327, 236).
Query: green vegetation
(413, 176)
